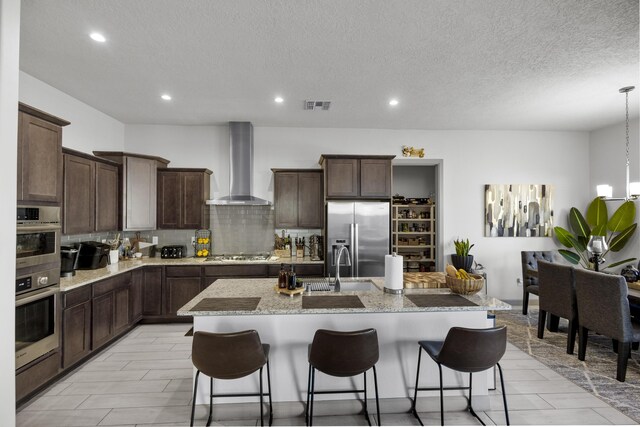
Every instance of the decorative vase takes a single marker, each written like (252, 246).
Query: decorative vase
(462, 261)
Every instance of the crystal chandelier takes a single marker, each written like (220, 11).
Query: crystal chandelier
(605, 191)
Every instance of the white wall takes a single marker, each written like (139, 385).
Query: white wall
(607, 166)
(89, 130)
(470, 160)
(9, 61)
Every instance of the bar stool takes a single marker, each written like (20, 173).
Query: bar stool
(464, 350)
(342, 354)
(230, 356)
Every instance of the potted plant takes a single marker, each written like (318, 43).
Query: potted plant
(462, 259)
(616, 230)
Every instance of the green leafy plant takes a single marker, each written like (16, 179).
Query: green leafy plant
(617, 231)
(462, 247)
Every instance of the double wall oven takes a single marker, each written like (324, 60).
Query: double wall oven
(37, 282)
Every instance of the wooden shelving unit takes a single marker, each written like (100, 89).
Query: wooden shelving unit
(413, 235)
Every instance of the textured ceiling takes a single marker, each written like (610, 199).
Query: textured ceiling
(453, 64)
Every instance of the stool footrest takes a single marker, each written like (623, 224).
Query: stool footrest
(238, 394)
(338, 391)
(443, 388)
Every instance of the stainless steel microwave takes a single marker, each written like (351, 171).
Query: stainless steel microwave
(37, 236)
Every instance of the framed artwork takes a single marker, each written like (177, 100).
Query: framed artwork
(518, 210)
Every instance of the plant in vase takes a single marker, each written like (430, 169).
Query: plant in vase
(616, 232)
(462, 259)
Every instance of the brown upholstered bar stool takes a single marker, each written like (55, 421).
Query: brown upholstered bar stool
(230, 356)
(464, 350)
(343, 354)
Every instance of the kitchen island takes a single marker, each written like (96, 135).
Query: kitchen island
(289, 323)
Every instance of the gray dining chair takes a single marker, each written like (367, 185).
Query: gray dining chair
(557, 296)
(603, 308)
(529, 262)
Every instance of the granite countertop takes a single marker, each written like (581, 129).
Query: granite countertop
(86, 277)
(373, 301)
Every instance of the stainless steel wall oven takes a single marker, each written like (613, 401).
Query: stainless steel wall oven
(37, 282)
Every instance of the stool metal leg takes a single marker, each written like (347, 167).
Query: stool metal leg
(441, 397)
(193, 404)
(313, 383)
(415, 394)
(261, 401)
(470, 402)
(210, 401)
(306, 410)
(269, 389)
(375, 384)
(504, 395)
(366, 412)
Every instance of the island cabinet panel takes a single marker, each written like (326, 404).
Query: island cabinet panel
(357, 177)
(152, 292)
(107, 205)
(79, 195)
(182, 284)
(239, 270)
(39, 156)
(76, 325)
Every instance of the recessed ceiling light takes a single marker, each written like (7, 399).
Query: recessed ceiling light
(166, 97)
(98, 37)
(279, 99)
(393, 102)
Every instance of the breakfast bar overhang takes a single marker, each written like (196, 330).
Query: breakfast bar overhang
(289, 323)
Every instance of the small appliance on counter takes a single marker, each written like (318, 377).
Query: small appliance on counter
(92, 255)
(68, 259)
(173, 251)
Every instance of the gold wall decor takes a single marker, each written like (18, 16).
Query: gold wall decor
(518, 210)
(412, 152)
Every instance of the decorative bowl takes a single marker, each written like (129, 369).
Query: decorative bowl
(465, 286)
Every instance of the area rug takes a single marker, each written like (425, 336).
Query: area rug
(597, 374)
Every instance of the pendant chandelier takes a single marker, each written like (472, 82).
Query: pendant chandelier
(605, 191)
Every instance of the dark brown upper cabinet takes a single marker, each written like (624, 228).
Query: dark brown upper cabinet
(91, 193)
(39, 156)
(298, 198)
(181, 198)
(356, 177)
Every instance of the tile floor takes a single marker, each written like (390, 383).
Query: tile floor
(145, 379)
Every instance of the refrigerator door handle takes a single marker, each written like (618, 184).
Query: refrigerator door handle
(356, 251)
(353, 249)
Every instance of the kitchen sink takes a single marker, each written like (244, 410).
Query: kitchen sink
(346, 285)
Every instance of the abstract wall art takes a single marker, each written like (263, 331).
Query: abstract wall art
(518, 210)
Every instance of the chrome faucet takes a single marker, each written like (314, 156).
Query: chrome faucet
(340, 250)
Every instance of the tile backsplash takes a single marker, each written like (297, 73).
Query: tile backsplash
(235, 229)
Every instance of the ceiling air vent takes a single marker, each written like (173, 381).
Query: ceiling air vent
(317, 105)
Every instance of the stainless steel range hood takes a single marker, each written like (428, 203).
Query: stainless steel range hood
(240, 167)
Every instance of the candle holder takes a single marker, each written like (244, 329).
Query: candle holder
(597, 246)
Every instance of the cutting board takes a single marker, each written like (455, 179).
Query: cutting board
(425, 280)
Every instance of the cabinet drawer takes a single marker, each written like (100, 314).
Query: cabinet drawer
(251, 270)
(77, 296)
(310, 270)
(182, 271)
(108, 285)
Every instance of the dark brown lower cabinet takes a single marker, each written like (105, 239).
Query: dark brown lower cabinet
(182, 284)
(152, 291)
(102, 326)
(137, 285)
(302, 270)
(76, 333)
(33, 376)
(121, 317)
(110, 309)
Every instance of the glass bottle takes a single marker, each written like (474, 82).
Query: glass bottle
(282, 278)
(292, 279)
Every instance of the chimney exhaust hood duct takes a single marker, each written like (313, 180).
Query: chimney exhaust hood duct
(240, 168)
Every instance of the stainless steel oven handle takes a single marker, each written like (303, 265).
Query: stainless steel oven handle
(37, 295)
(39, 227)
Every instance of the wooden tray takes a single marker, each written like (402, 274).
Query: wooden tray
(291, 293)
(424, 280)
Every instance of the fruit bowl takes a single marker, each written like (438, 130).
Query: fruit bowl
(465, 286)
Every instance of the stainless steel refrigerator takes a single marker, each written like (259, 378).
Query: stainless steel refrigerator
(363, 227)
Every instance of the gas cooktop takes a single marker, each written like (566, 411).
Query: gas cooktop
(239, 257)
